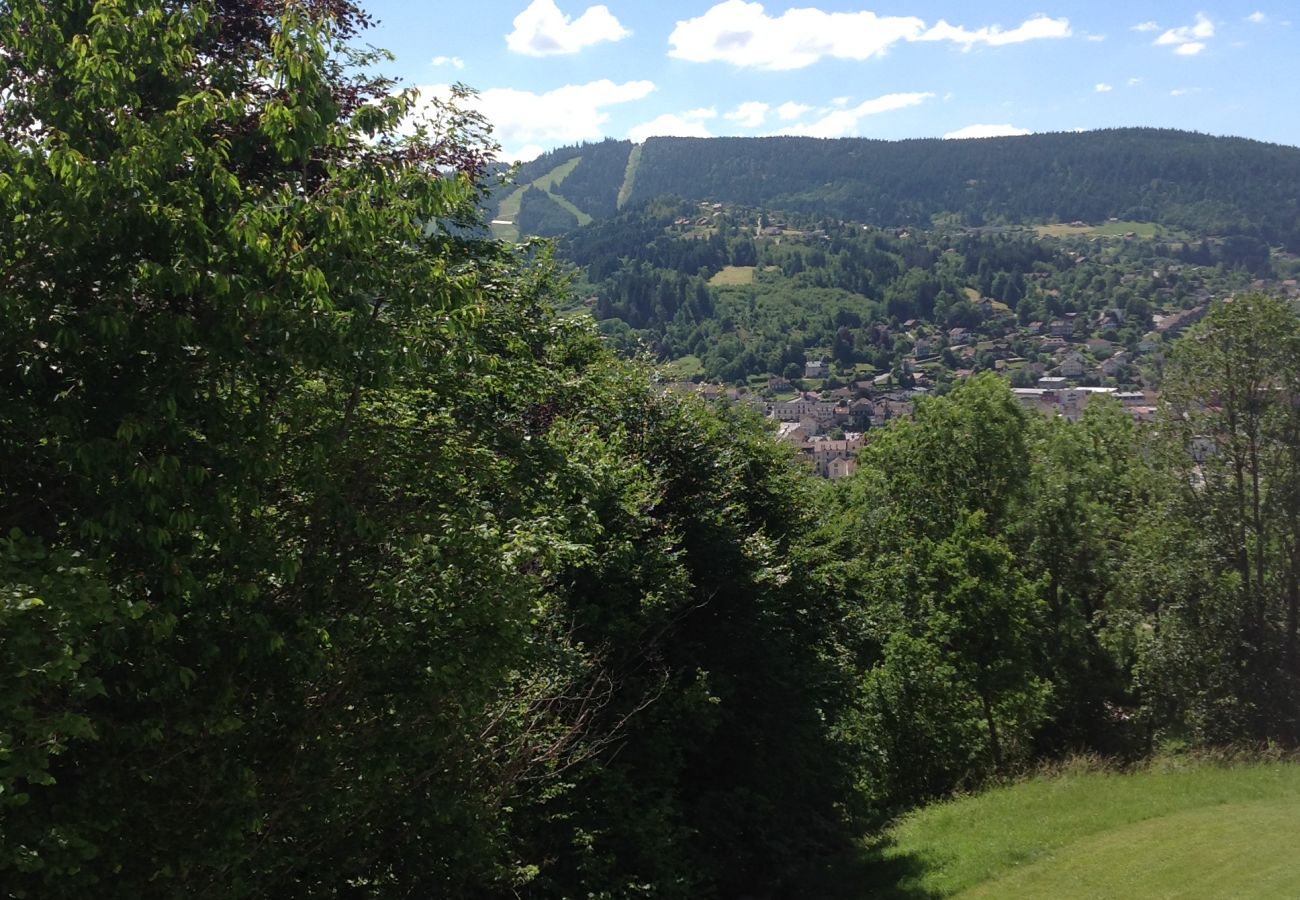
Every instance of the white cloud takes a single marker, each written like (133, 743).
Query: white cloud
(1182, 92)
(575, 112)
(1257, 18)
(542, 30)
(1103, 88)
(743, 34)
(1034, 29)
(1188, 40)
(790, 110)
(454, 61)
(1145, 26)
(1096, 38)
(749, 115)
(844, 122)
(983, 131)
(686, 124)
(1133, 81)
(526, 153)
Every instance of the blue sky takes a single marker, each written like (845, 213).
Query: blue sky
(556, 72)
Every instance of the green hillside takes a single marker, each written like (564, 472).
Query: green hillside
(1193, 181)
(536, 207)
(1195, 831)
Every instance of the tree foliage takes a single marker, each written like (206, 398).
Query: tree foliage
(334, 563)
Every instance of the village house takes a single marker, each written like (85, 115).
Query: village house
(1112, 366)
(792, 433)
(1030, 398)
(825, 451)
(792, 410)
(841, 467)
(860, 412)
(1072, 365)
(1073, 401)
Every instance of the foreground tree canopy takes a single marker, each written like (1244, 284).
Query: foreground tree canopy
(334, 563)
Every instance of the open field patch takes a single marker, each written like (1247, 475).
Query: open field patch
(733, 276)
(1197, 830)
(1105, 229)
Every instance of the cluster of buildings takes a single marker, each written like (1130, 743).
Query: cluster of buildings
(826, 429)
(1055, 396)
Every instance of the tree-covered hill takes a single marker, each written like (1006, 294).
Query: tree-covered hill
(1206, 184)
(733, 296)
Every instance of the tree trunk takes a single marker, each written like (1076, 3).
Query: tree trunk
(1292, 609)
(995, 745)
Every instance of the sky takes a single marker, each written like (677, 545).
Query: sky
(551, 73)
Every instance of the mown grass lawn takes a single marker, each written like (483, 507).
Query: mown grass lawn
(733, 276)
(1105, 229)
(1194, 830)
(684, 368)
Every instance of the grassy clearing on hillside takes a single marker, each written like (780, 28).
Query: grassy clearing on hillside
(684, 369)
(732, 276)
(508, 210)
(1106, 229)
(629, 175)
(552, 178)
(1190, 830)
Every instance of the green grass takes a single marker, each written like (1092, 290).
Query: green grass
(1194, 830)
(629, 175)
(551, 179)
(732, 276)
(1106, 229)
(684, 368)
(509, 209)
(1232, 850)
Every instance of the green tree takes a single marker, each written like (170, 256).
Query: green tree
(1231, 445)
(984, 614)
(923, 529)
(1089, 486)
(249, 358)
(335, 563)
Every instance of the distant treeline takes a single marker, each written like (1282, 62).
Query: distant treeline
(1208, 185)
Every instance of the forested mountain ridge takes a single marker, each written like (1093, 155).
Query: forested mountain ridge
(1207, 184)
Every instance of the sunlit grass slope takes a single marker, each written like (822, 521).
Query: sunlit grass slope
(1189, 831)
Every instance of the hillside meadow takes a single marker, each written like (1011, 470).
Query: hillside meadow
(1175, 828)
